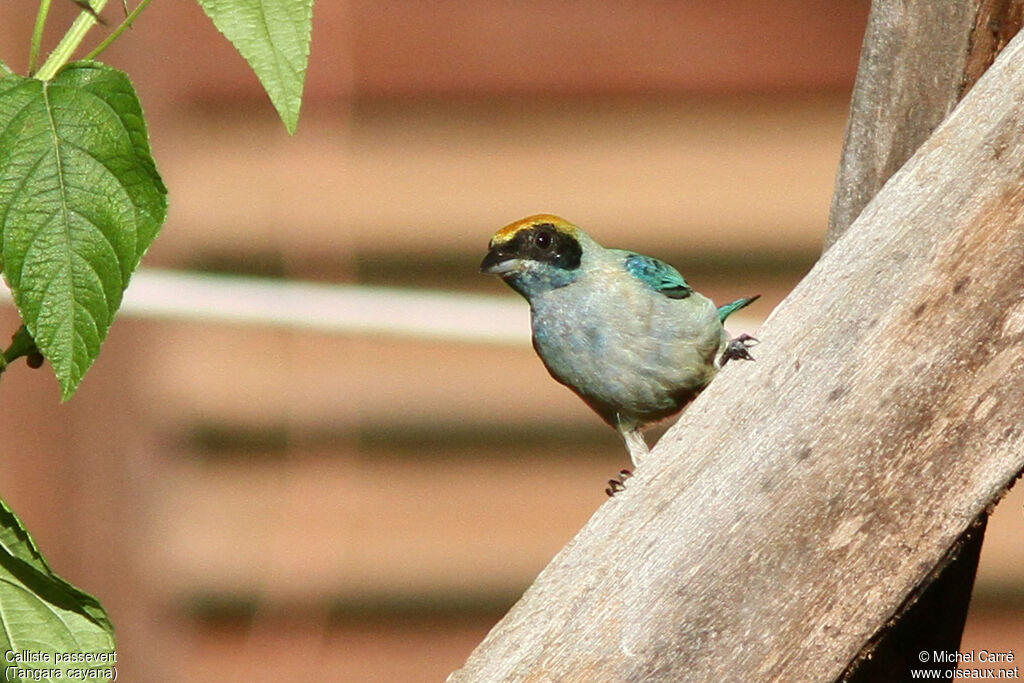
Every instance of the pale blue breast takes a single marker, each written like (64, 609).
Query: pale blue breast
(627, 350)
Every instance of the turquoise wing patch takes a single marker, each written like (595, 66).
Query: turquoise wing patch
(658, 275)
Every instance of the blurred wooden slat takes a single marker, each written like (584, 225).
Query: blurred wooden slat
(395, 48)
(373, 651)
(385, 530)
(718, 174)
(311, 529)
(206, 372)
(248, 375)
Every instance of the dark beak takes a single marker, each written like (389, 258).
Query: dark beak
(498, 260)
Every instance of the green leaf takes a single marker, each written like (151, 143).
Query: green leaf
(80, 202)
(17, 542)
(273, 36)
(44, 614)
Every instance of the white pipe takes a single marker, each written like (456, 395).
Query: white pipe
(429, 314)
(326, 307)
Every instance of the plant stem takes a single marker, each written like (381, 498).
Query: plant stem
(37, 35)
(70, 42)
(22, 344)
(128, 20)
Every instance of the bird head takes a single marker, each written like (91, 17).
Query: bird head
(536, 254)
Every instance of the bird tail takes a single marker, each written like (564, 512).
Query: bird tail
(728, 309)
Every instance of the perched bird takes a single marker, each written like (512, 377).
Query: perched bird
(622, 330)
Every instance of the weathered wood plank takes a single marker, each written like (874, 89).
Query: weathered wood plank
(903, 38)
(918, 60)
(798, 501)
(995, 25)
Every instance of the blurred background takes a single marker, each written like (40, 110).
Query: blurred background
(359, 492)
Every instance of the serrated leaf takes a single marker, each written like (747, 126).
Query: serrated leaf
(273, 36)
(17, 542)
(80, 202)
(41, 612)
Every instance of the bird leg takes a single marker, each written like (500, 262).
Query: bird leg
(737, 349)
(636, 445)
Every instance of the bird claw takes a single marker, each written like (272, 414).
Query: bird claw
(616, 485)
(737, 349)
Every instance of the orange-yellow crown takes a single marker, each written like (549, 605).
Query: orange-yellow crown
(510, 230)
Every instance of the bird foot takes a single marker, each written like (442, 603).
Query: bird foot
(737, 349)
(616, 485)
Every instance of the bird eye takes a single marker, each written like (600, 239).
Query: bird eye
(543, 240)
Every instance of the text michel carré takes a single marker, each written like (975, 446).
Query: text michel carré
(951, 656)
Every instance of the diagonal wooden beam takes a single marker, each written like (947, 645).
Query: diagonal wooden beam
(784, 520)
(917, 63)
